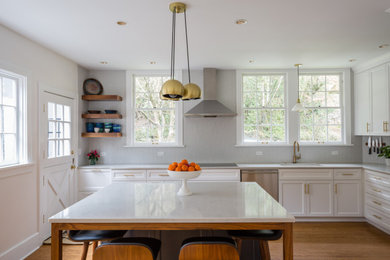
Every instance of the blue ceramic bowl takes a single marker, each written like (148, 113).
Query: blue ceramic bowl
(116, 128)
(110, 111)
(90, 127)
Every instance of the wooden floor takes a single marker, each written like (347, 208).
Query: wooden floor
(311, 241)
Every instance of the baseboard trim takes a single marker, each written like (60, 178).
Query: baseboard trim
(378, 226)
(22, 249)
(330, 219)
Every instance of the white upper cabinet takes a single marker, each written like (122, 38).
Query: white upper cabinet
(362, 103)
(372, 101)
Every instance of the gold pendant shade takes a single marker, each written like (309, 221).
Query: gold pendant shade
(173, 89)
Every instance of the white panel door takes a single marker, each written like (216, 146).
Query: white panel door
(362, 103)
(320, 198)
(56, 158)
(347, 199)
(380, 99)
(292, 197)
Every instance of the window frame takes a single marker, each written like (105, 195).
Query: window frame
(341, 107)
(292, 118)
(240, 109)
(21, 122)
(130, 107)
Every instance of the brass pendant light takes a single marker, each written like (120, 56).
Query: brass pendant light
(298, 107)
(173, 89)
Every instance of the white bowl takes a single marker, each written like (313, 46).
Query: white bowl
(184, 175)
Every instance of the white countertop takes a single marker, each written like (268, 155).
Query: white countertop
(131, 202)
(251, 166)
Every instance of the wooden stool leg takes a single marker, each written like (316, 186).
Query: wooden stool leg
(85, 251)
(264, 250)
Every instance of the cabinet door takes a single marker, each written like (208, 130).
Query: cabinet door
(292, 197)
(320, 198)
(380, 99)
(347, 199)
(362, 103)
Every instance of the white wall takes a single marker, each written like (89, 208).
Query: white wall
(19, 203)
(205, 139)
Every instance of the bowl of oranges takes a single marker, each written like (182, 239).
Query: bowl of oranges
(184, 171)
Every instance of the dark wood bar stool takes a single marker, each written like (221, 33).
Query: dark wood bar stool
(262, 236)
(94, 236)
(215, 248)
(134, 248)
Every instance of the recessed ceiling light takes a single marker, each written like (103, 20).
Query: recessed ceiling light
(383, 46)
(251, 61)
(152, 62)
(104, 62)
(121, 23)
(241, 21)
(352, 60)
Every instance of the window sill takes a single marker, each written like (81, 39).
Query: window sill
(14, 169)
(290, 145)
(154, 146)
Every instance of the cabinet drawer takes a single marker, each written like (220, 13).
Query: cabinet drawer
(347, 174)
(306, 174)
(128, 175)
(378, 178)
(378, 190)
(219, 175)
(378, 204)
(377, 217)
(158, 175)
(93, 179)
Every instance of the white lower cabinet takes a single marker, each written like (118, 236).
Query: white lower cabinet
(348, 198)
(321, 193)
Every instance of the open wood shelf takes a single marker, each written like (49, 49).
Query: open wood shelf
(102, 97)
(101, 134)
(102, 116)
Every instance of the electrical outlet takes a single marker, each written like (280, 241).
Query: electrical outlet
(160, 154)
(259, 153)
(334, 153)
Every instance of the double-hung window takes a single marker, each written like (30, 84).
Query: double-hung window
(322, 120)
(263, 109)
(12, 118)
(153, 121)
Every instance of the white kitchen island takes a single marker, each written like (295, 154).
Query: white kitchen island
(155, 206)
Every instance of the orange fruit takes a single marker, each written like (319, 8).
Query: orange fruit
(174, 163)
(184, 168)
(171, 167)
(191, 169)
(197, 167)
(184, 161)
(193, 164)
(178, 169)
(180, 165)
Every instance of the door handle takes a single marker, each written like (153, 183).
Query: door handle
(72, 167)
(385, 123)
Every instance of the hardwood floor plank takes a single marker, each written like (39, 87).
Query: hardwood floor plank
(312, 241)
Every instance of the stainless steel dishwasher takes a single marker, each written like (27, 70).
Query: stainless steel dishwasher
(267, 179)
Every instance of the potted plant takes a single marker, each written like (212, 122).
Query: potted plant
(385, 152)
(93, 157)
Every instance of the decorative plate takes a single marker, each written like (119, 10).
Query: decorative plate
(92, 87)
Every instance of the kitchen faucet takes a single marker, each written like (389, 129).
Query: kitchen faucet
(296, 155)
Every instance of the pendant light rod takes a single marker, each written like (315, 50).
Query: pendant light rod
(298, 65)
(188, 54)
(173, 47)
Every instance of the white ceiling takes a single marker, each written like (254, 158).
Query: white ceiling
(279, 33)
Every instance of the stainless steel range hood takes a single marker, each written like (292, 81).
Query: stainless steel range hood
(210, 106)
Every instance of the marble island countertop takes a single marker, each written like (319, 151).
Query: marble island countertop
(248, 166)
(155, 202)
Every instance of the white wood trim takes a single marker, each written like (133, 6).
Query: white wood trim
(130, 109)
(24, 248)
